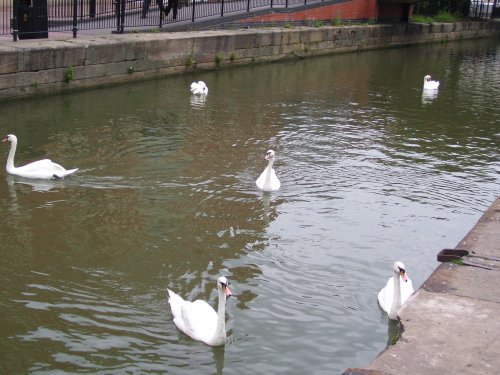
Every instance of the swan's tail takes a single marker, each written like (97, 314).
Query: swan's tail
(64, 173)
(175, 302)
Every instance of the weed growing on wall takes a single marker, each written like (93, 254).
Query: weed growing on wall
(69, 75)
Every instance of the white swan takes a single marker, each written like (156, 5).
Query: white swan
(199, 88)
(268, 181)
(395, 294)
(198, 319)
(429, 84)
(43, 169)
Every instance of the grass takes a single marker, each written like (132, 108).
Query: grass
(421, 19)
(442, 16)
(317, 23)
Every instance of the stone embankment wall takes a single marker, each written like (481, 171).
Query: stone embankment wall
(34, 67)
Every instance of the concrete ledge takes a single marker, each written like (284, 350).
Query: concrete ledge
(451, 323)
(34, 67)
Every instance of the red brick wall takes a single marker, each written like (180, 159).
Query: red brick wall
(352, 10)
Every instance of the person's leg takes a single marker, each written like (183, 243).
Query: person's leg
(160, 5)
(145, 8)
(171, 4)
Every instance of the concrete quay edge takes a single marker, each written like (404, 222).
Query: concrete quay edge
(451, 325)
(62, 63)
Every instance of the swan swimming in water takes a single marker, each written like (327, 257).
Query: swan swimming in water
(268, 181)
(198, 319)
(395, 293)
(42, 169)
(429, 84)
(199, 88)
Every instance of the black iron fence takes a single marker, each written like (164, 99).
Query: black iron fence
(484, 9)
(34, 18)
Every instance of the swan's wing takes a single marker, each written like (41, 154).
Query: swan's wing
(175, 302)
(406, 290)
(275, 182)
(262, 178)
(200, 320)
(386, 295)
(44, 168)
(44, 164)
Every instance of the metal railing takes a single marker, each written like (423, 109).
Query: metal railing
(483, 9)
(25, 18)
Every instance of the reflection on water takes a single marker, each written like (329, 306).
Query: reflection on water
(166, 197)
(428, 96)
(198, 101)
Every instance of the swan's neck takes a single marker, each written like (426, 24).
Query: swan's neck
(220, 329)
(396, 300)
(10, 158)
(267, 182)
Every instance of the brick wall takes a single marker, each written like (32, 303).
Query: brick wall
(352, 10)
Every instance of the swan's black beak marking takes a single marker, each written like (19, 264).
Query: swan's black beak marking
(402, 272)
(225, 288)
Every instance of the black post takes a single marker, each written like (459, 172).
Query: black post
(271, 3)
(15, 27)
(75, 17)
(122, 19)
(248, 5)
(222, 8)
(118, 15)
(286, 4)
(192, 16)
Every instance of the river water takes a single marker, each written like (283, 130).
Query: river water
(371, 172)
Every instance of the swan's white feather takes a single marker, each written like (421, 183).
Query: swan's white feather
(386, 294)
(198, 319)
(430, 84)
(40, 169)
(274, 182)
(268, 181)
(199, 88)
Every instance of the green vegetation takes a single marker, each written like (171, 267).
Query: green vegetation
(337, 20)
(130, 70)
(191, 61)
(69, 75)
(444, 16)
(317, 23)
(218, 59)
(288, 26)
(233, 57)
(456, 8)
(421, 19)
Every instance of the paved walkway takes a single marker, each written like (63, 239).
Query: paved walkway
(452, 323)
